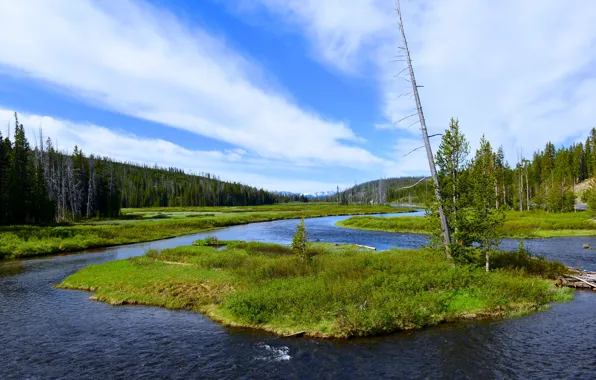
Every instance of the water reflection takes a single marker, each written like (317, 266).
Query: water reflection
(52, 333)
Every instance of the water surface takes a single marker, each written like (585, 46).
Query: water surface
(52, 333)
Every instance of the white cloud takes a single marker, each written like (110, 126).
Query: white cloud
(521, 72)
(133, 59)
(231, 165)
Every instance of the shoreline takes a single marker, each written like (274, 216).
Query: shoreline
(228, 287)
(514, 227)
(53, 246)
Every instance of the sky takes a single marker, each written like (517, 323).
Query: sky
(295, 95)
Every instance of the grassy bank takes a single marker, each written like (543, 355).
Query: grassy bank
(343, 292)
(533, 224)
(141, 225)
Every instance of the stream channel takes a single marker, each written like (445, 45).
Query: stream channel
(47, 333)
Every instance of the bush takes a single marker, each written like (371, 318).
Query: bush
(342, 292)
(300, 241)
(523, 260)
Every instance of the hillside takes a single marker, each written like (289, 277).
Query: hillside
(386, 190)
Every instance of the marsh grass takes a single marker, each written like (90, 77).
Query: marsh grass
(342, 292)
(22, 241)
(532, 224)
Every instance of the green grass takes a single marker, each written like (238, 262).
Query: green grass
(343, 292)
(405, 224)
(532, 224)
(141, 225)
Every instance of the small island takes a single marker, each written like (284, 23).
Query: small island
(328, 291)
(522, 225)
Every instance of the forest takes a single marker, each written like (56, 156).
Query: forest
(41, 185)
(546, 181)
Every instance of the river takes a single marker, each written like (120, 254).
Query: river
(47, 333)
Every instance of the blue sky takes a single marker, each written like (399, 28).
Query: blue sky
(297, 95)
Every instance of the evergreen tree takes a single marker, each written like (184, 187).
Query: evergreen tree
(485, 219)
(451, 159)
(5, 153)
(299, 241)
(20, 182)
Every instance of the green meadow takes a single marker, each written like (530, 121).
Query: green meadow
(527, 224)
(341, 292)
(141, 225)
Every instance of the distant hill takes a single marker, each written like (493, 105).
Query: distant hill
(387, 190)
(320, 194)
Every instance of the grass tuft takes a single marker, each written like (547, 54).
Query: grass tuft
(342, 292)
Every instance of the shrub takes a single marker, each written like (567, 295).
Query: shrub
(300, 241)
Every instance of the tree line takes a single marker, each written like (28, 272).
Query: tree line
(477, 188)
(42, 185)
(547, 180)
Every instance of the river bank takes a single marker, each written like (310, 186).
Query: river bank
(344, 292)
(46, 330)
(518, 225)
(143, 225)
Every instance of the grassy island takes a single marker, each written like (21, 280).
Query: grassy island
(341, 292)
(528, 224)
(141, 225)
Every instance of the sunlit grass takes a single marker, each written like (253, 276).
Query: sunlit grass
(532, 224)
(343, 292)
(22, 241)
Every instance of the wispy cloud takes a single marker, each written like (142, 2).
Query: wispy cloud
(128, 57)
(520, 72)
(231, 165)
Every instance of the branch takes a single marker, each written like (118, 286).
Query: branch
(436, 134)
(415, 149)
(409, 187)
(407, 117)
(404, 94)
(417, 121)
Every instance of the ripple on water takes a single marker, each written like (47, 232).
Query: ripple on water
(52, 333)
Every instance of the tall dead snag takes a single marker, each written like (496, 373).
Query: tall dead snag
(429, 152)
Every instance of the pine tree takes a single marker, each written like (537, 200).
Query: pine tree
(484, 218)
(20, 189)
(451, 159)
(4, 178)
(299, 241)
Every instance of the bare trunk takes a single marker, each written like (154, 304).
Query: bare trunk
(429, 153)
(91, 189)
(521, 190)
(527, 190)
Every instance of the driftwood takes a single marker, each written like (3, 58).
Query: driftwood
(585, 280)
(366, 246)
(294, 335)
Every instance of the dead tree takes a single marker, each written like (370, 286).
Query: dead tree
(526, 164)
(429, 152)
(521, 180)
(91, 189)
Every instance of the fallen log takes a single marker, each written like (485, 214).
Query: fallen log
(582, 280)
(366, 246)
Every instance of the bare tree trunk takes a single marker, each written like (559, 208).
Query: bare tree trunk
(429, 153)
(91, 189)
(504, 188)
(528, 190)
(496, 195)
(521, 191)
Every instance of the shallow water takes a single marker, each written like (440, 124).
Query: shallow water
(51, 333)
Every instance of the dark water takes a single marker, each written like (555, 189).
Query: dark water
(50, 333)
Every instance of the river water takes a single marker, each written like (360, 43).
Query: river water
(48, 333)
